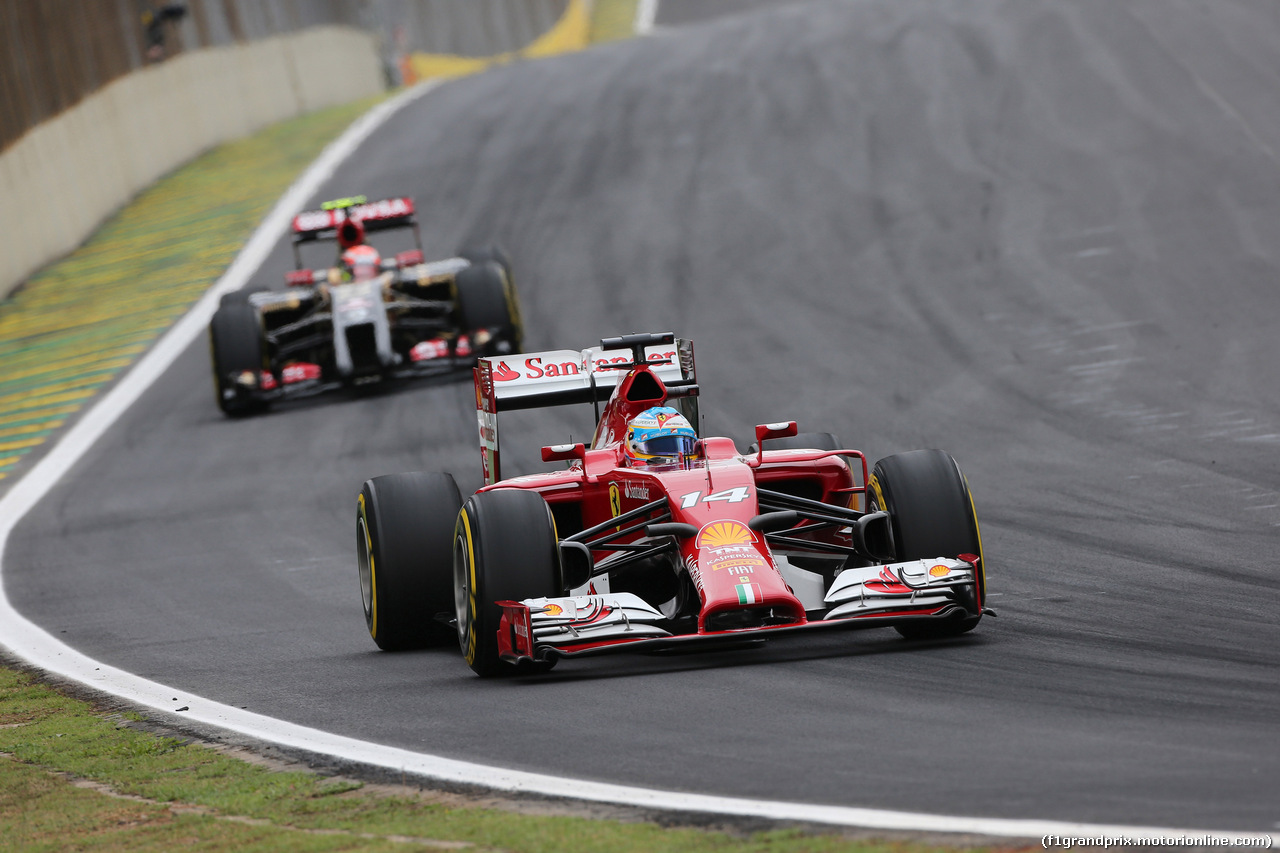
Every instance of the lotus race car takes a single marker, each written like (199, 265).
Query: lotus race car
(705, 546)
(365, 319)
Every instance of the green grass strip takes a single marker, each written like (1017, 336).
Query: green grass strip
(75, 325)
(73, 776)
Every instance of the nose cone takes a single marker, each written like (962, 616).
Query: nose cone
(740, 586)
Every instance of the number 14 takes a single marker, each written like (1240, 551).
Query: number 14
(733, 496)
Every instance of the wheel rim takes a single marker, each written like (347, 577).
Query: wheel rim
(461, 588)
(364, 564)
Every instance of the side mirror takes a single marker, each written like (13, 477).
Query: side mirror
(563, 452)
(785, 429)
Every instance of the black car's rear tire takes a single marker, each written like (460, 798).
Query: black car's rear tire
(932, 515)
(236, 346)
(489, 253)
(504, 549)
(404, 544)
(487, 302)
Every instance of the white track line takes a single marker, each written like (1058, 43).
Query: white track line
(646, 12)
(33, 644)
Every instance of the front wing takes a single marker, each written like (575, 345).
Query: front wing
(540, 629)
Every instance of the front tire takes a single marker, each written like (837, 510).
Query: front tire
(932, 515)
(235, 348)
(504, 550)
(404, 540)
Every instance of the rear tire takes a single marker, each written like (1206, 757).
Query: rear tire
(489, 253)
(404, 543)
(487, 301)
(235, 347)
(932, 515)
(504, 550)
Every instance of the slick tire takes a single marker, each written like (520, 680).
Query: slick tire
(480, 255)
(931, 513)
(504, 550)
(404, 544)
(235, 346)
(487, 301)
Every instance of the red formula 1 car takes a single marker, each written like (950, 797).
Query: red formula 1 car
(700, 546)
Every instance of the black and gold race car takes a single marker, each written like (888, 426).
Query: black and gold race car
(368, 318)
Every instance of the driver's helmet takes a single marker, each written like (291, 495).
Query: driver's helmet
(361, 263)
(660, 434)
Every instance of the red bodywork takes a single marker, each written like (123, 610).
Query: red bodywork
(762, 543)
(717, 495)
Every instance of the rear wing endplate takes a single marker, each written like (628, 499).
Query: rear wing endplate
(563, 377)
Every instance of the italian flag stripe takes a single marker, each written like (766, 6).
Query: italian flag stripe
(749, 593)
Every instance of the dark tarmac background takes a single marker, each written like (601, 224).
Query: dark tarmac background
(1039, 234)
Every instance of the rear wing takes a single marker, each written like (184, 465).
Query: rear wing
(563, 377)
(373, 216)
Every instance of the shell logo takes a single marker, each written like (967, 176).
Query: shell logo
(939, 571)
(724, 534)
(552, 610)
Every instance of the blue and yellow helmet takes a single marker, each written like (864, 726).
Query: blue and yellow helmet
(659, 434)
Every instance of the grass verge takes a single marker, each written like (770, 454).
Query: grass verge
(78, 777)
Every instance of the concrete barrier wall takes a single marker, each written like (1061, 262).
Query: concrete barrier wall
(68, 174)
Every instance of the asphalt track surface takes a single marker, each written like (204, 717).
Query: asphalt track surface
(1042, 235)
